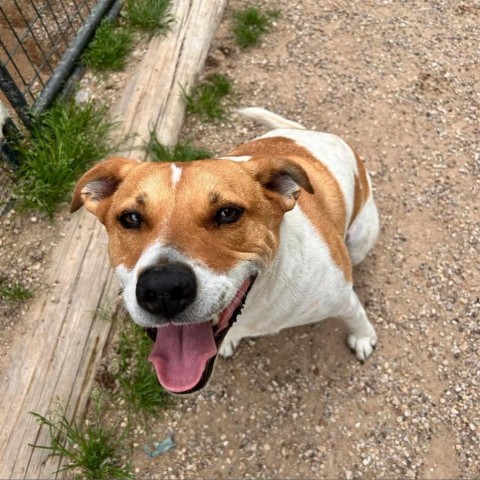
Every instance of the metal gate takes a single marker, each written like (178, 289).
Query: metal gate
(40, 43)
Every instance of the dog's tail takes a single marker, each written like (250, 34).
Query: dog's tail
(269, 119)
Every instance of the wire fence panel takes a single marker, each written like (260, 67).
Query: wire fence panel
(34, 35)
(40, 42)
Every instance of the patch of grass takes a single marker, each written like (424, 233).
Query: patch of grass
(250, 24)
(150, 16)
(207, 98)
(15, 293)
(63, 143)
(89, 447)
(109, 48)
(139, 386)
(181, 152)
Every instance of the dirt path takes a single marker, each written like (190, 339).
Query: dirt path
(400, 81)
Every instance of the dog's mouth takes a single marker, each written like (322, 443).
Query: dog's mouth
(184, 355)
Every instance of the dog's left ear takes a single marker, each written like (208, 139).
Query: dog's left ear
(282, 177)
(100, 183)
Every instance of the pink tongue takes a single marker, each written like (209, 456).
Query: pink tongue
(180, 354)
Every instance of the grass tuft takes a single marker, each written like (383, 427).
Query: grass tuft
(139, 386)
(250, 24)
(89, 447)
(207, 98)
(181, 152)
(63, 143)
(109, 48)
(15, 293)
(150, 16)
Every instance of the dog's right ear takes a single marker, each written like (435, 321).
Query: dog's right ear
(100, 183)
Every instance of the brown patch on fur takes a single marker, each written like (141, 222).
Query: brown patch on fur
(100, 182)
(184, 216)
(194, 230)
(326, 207)
(146, 181)
(362, 189)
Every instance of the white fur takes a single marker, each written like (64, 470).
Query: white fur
(176, 174)
(122, 273)
(303, 285)
(269, 119)
(363, 233)
(241, 158)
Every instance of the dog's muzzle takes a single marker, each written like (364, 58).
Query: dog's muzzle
(184, 354)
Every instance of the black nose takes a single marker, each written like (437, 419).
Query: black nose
(167, 289)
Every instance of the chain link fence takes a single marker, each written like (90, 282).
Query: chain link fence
(40, 43)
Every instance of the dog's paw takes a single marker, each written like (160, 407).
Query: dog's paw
(228, 348)
(362, 346)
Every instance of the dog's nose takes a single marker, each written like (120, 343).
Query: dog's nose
(167, 289)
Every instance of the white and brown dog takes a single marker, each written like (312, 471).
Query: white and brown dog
(192, 242)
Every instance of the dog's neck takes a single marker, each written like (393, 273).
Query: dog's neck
(291, 262)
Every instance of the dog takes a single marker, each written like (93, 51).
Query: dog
(247, 244)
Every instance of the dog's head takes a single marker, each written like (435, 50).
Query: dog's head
(187, 241)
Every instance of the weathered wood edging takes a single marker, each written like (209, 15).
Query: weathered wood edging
(56, 363)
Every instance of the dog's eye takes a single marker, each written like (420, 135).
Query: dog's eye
(228, 215)
(130, 220)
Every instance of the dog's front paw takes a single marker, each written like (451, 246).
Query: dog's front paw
(228, 348)
(362, 346)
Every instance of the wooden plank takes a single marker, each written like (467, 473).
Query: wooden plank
(56, 362)
(154, 99)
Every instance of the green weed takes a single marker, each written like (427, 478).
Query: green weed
(15, 293)
(250, 24)
(63, 143)
(89, 447)
(109, 48)
(139, 386)
(181, 152)
(150, 16)
(207, 98)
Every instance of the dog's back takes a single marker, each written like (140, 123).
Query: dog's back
(338, 176)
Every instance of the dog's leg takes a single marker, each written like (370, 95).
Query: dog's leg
(362, 338)
(231, 342)
(228, 347)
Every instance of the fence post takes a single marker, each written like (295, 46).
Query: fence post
(70, 57)
(15, 96)
(8, 131)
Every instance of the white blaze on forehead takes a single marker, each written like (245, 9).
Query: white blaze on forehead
(176, 174)
(242, 158)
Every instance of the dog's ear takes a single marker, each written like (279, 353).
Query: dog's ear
(281, 177)
(100, 183)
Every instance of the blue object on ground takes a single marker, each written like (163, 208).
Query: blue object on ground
(160, 447)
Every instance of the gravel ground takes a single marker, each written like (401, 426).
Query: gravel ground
(400, 81)
(26, 241)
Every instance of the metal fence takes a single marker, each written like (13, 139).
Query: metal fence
(40, 43)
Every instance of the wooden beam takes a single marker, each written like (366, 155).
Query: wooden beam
(55, 363)
(154, 96)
